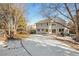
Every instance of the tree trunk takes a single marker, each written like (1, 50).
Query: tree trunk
(77, 25)
(76, 38)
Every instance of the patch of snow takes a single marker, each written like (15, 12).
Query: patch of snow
(46, 40)
(3, 43)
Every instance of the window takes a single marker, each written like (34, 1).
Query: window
(47, 24)
(42, 29)
(38, 29)
(53, 30)
(61, 30)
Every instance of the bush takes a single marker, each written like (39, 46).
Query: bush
(33, 32)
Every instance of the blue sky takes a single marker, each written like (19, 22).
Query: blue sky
(33, 13)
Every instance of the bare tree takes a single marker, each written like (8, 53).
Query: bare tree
(65, 11)
(10, 15)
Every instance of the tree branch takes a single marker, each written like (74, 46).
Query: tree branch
(63, 14)
(59, 23)
(62, 25)
(69, 12)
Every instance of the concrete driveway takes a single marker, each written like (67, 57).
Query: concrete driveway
(38, 45)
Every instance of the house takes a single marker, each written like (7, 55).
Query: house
(32, 27)
(48, 26)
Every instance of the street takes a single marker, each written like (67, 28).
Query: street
(38, 45)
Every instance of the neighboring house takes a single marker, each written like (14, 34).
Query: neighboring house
(50, 26)
(33, 27)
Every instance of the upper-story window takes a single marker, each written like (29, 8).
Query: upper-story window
(38, 25)
(60, 30)
(38, 29)
(47, 24)
(42, 29)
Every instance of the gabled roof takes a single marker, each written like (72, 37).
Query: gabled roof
(44, 21)
(53, 19)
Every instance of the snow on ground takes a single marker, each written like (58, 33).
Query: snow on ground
(49, 41)
(38, 45)
(41, 43)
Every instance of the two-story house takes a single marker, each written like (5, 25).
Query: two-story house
(48, 26)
